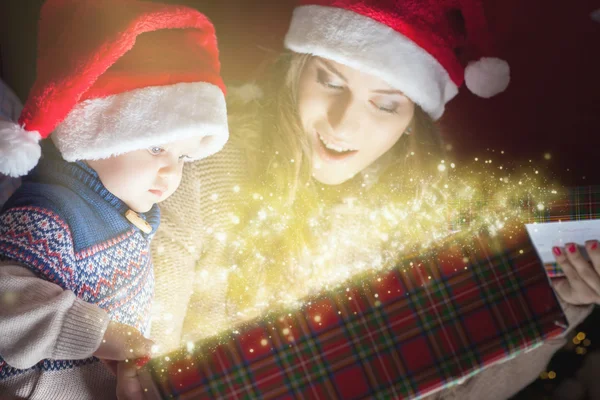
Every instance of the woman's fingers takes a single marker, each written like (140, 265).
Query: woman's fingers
(586, 271)
(571, 289)
(593, 250)
(582, 283)
(565, 291)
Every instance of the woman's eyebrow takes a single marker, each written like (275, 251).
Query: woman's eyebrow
(332, 69)
(388, 91)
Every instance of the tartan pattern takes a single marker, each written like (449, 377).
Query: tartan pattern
(433, 321)
(554, 271)
(416, 335)
(581, 203)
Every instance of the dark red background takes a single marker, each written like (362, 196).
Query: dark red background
(552, 105)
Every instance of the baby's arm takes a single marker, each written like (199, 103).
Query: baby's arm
(40, 320)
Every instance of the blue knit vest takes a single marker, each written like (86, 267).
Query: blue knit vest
(67, 228)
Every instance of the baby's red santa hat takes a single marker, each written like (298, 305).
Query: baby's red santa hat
(115, 76)
(410, 44)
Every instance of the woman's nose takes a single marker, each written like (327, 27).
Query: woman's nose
(343, 115)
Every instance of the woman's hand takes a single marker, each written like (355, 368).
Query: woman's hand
(582, 283)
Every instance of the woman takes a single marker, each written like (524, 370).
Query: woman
(341, 116)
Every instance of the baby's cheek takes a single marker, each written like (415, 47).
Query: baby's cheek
(174, 185)
(167, 195)
(179, 176)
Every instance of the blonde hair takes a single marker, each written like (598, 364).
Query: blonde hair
(272, 136)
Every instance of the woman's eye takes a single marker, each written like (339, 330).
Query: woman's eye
(155, 150)
(324, 79)
(390, 109)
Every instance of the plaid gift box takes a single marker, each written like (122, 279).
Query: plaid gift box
(431, 322)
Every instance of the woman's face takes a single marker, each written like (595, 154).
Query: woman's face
(351, 118)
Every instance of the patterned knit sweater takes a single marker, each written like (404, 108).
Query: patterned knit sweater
(189, 253)
(70, 262)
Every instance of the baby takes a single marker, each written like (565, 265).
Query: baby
(128, 91)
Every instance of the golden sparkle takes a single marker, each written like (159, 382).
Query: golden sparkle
(466, 200)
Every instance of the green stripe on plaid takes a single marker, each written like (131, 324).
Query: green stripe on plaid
(441, 291)
(367, 329)
(554, 270)
(297, 360)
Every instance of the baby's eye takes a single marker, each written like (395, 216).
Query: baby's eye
(155, 150)
(185, 158)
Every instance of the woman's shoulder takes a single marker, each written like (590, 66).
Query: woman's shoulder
(210, 175)
(209, 191)
(225, 168)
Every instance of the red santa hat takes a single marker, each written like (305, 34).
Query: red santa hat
(114, 76)
(410, 44)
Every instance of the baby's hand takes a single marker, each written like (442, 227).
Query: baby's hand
(122, 342)
(128, 383)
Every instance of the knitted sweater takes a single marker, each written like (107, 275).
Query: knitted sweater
(71, 262)
(189, 250)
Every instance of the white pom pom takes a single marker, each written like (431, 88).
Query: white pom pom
(487, 77)
(19, 149)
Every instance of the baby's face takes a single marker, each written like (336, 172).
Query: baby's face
(145, 177)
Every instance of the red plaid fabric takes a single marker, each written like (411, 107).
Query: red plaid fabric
(435, 319)
(580, 204)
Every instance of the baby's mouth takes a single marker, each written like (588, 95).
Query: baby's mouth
(157, 192)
